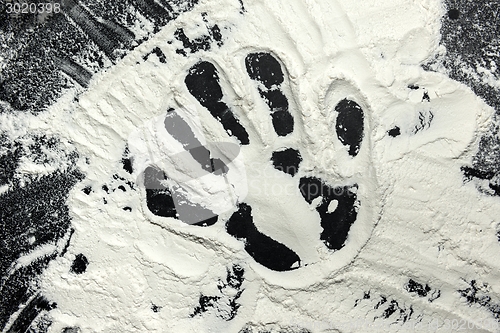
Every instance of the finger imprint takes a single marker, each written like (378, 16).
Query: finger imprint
(338, 209)
(266, 70)
(171, 202)
(180, 130)
(263, 249)
(202, 82)
(350, 125)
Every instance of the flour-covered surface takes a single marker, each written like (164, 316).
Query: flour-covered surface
(250, 167)
(470, 38)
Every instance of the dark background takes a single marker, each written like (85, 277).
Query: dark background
(43, 56)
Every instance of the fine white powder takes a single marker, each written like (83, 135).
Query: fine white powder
(417, 220)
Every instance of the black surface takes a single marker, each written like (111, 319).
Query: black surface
(479, 295)
(349, 126)
(388, 309)
(71, 330)
(266, 70)
(127, 161)
(50, 53)
(29, 313)
(287, 161)
(80, 264)
(159, 54)
(470, 32)
(203, 43)
(158, 197)
(32, 214)
(335, 224)
(394, 132)
(419, 289)
(37, 211)
(230, 291)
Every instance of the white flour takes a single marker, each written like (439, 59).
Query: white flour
(416, 219)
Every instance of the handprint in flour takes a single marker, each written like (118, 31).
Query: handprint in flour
(266, 191)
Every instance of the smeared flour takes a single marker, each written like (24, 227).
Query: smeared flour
(417, 220)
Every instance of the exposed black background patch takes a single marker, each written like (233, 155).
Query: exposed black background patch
(479, 294)
(416, 288)
(225, 305)
(80, 264)
(265, 69)
(32, 215)
(350, 125)
(470, 32)
(49, 54)
(287, 160)
(386, 308)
